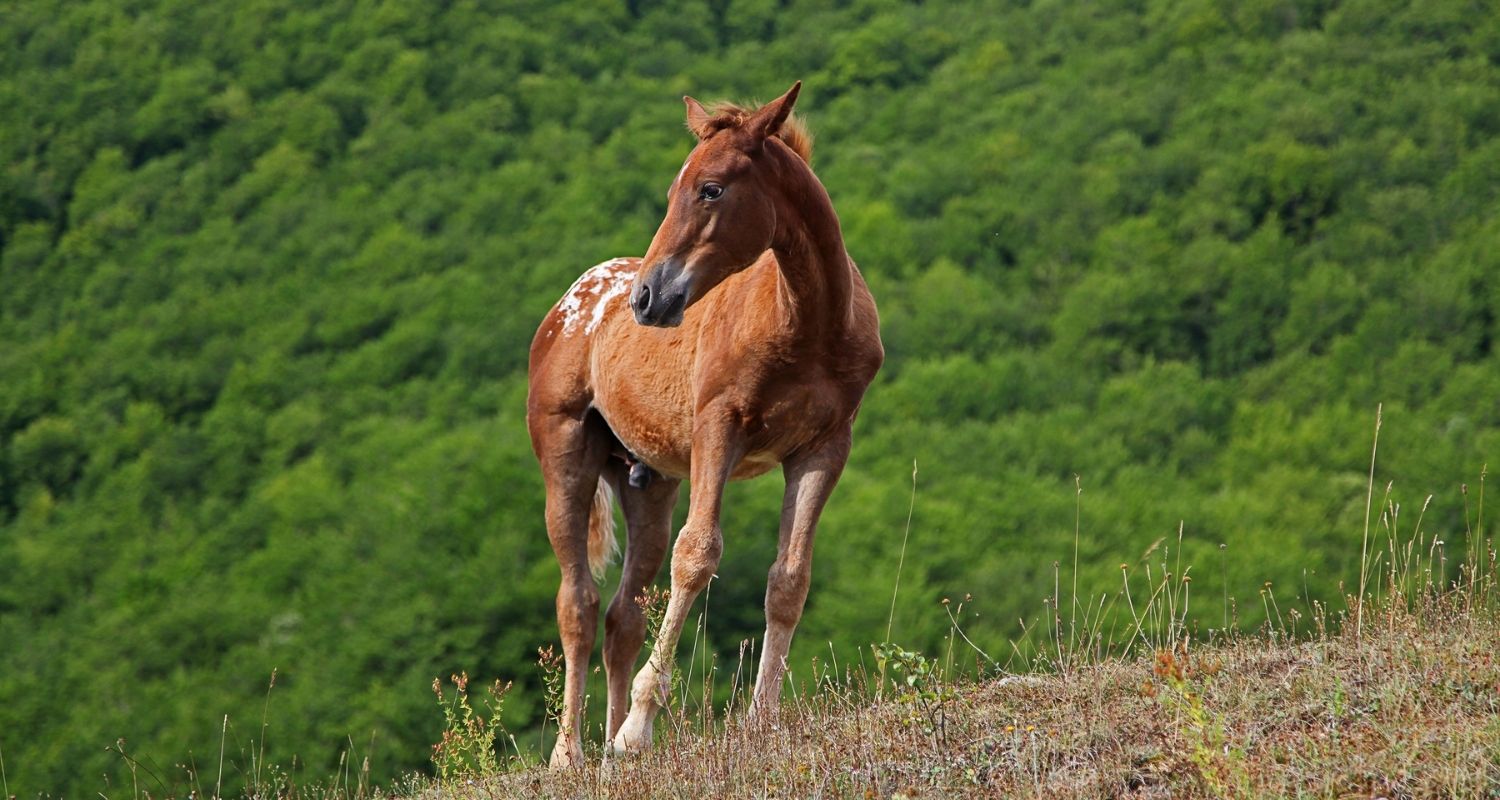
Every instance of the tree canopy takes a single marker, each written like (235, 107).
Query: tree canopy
(269, 270)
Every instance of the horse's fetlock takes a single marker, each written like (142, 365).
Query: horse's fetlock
(650, 687)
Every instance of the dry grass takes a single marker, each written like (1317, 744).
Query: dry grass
(1409, 709)
(1396, 697)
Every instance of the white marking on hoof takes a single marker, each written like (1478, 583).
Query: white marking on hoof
(566, 754)
(634, 735)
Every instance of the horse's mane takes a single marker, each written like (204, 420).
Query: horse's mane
(793, 132)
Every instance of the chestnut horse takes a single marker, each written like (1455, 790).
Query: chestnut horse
(752, 341)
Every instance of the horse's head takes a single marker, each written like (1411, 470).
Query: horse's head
(721, 209)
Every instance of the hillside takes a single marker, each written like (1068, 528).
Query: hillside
(268, 272)
(1408, 711)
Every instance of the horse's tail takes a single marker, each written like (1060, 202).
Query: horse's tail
(603, 546)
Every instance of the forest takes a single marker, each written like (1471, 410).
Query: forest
(269, 271)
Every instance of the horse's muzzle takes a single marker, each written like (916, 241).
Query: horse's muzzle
(660, 298)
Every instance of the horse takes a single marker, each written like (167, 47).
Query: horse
(744, 339)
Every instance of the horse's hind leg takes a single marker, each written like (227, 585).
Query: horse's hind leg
(648, 518)
(572, 453)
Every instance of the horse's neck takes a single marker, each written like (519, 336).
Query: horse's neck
(816, 279)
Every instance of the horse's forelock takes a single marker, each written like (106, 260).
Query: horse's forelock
(793, 133)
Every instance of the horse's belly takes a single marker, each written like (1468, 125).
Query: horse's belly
(663, 442)
(650, 413)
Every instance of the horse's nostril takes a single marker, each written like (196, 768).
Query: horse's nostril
(643, 299)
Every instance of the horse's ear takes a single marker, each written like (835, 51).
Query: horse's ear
(768, 120)
(697, 117)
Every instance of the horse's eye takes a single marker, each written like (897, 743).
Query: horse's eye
(710, 191)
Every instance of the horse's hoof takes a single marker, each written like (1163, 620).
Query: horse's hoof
(633, 737)
(609, 766)
(566, 755)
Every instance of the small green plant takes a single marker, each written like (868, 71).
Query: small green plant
(1220, 765)
(920, 685)
(653, 603)
(551, 663)
(467, 748)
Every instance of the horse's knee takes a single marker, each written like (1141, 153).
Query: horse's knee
(695, 557)
(786, 592)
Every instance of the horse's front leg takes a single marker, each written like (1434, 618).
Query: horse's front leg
(717, 447)
(810, 478)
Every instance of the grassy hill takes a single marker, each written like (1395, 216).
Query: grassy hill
(1409, 710)
(268, 272)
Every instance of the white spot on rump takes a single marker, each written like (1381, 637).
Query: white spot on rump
(589, 296)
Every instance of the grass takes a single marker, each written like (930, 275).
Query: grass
(1409, 707)
(1397, 694)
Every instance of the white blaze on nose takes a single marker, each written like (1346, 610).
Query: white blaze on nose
(589, 296)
